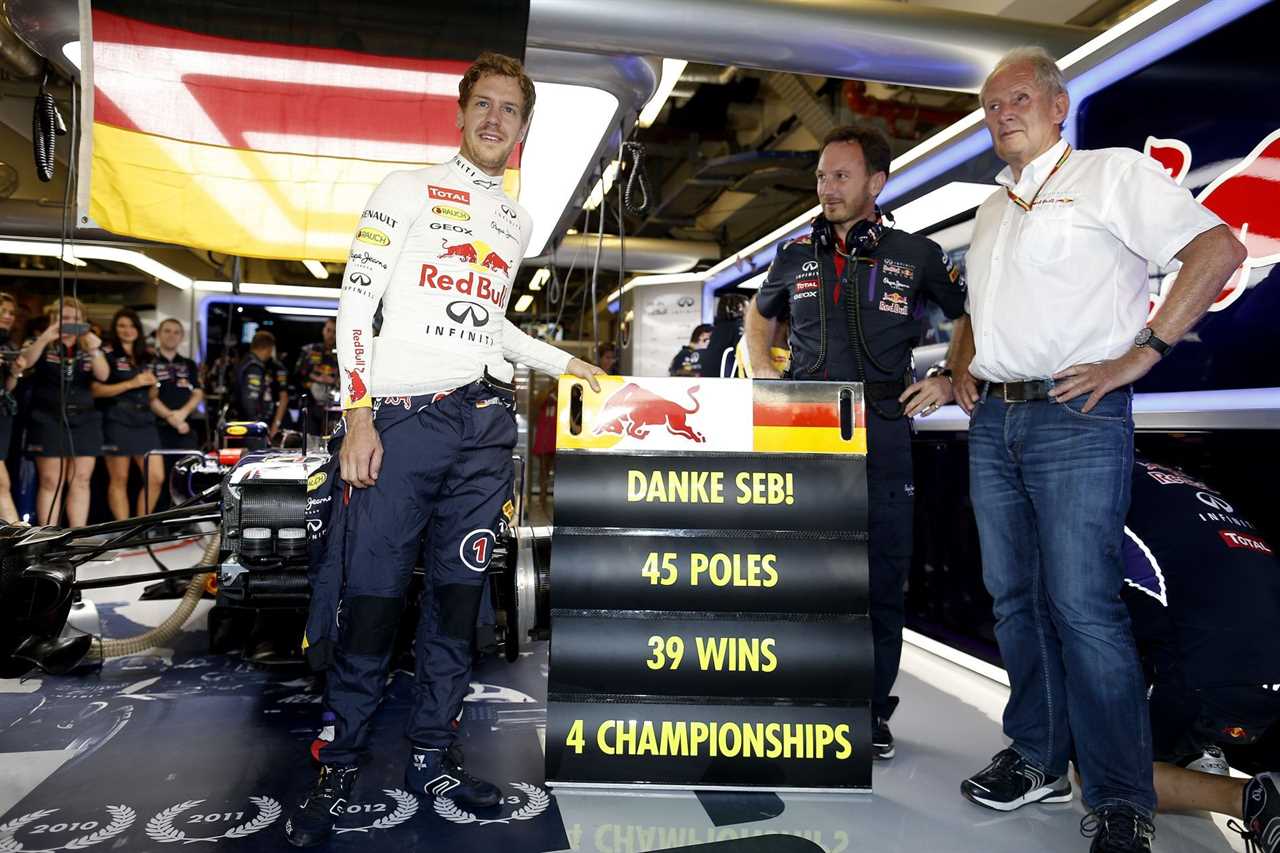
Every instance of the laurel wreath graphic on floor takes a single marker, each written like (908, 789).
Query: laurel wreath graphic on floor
(160, 827)
(536, 802)
(406, 807)
(122, 817)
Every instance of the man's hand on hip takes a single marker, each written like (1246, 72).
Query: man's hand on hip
(361, 454)
(584, 370)
(768, 370)
(1102, 377)
(965, 387)
(926, 396)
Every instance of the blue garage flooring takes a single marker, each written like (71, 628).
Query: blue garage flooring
(174, 747)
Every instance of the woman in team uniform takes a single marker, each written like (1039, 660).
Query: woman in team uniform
(177, 393)
(129, 426)
(65, 433)
(9, 371)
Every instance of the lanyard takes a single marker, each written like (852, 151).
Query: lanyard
(1026, 205)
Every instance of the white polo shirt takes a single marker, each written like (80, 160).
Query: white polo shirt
(1066, 282)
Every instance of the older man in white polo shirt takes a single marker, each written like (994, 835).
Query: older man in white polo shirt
(1058, 297)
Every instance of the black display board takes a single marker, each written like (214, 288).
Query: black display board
(709, 602)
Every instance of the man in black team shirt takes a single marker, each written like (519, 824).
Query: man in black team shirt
(854, 290)
(1203, 590)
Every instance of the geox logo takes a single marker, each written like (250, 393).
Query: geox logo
(441, 785)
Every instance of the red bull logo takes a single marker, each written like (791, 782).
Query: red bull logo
(634, 411)
(493, 262)
(1235, 732)
(470, 284)
(1246, 197)
(355, 387)
(464, 252)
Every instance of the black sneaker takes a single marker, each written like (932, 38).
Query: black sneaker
(1117, 830)
(881, 740)
(312, 822)
(1261, 810)
(1009, 782)
(439, 773)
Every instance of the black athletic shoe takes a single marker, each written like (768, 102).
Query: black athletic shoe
(1261, 830)
(1117, 829)
(881, 740)
(312, 822)
(1009, 782)
(439, 773)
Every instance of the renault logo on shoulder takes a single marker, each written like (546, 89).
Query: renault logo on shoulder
(467, 312)
(360, 279)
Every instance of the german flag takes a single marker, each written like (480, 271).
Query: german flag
(267, 143)
(806, 419)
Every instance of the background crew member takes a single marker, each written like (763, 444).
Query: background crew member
(316, 373)
(8, 405)
(686, 361)
(128, 426)
(261, 385)
(1058, 278)
(177, 393)
(1203, 592)
(425, 445)
(607, 358)
(853, 291)
(65, 431)
(719, 359)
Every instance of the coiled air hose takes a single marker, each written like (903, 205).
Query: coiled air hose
(103, 648)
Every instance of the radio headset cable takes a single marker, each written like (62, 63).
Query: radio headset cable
(637, 180)
(46, 127)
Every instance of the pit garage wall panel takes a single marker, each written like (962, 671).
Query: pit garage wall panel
(709, 609)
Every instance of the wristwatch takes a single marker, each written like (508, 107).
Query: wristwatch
(938, 370)
(1147, 338)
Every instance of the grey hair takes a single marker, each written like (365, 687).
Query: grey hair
(1048, 74)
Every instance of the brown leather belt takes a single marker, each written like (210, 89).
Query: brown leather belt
(1021, 392)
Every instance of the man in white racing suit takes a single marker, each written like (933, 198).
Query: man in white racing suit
(425, 444)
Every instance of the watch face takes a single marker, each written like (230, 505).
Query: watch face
(1143, 337)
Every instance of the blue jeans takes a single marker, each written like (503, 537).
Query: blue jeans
(1050, 488)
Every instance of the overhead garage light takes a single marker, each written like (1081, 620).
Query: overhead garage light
(317, 269)
(302, 312)
(262, 289)
(602, 187)
(523, 303)
(539, 278)
(671, 71)
(35, 247)
(74, 254)
(568, 124)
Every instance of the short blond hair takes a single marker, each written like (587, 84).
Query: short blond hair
(54, 309)
(1048, 75)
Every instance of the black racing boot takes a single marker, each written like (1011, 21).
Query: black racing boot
(439, 773)
(312, 822)
(1117, 829)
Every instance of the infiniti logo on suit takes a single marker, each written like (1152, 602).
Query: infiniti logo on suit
(467, 312)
